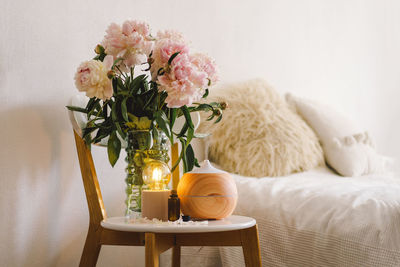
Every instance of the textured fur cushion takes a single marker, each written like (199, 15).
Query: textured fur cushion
(259, 134)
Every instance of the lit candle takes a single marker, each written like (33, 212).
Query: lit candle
(156, 175)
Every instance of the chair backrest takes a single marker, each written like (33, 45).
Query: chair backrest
(94, 199)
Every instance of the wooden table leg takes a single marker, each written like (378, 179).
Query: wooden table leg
(251, 246)
(176, 256)
(155, 244)
(151, 250)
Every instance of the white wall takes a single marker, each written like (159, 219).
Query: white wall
(342, 52)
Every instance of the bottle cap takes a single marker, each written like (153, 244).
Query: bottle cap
(185, 218)
(174, 193)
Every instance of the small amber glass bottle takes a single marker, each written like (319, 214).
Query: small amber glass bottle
(174, 206)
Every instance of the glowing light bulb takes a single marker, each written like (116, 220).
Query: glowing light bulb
(156, 174)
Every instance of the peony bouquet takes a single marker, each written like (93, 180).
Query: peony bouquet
(175, 83)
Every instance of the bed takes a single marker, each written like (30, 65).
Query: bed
(318, 218)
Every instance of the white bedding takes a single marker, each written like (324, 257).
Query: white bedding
(318, 218)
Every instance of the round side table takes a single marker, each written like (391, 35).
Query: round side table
(231, 231)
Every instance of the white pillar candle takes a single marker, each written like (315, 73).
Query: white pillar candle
(155, 204)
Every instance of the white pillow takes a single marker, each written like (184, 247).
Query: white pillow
(348, 149)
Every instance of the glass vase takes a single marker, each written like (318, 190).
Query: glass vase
(142, 146)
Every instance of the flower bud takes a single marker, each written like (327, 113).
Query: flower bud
(224, 105)
(150, 60)
(111, 74)
(99, 49)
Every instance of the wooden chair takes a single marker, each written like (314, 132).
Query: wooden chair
(155, 243)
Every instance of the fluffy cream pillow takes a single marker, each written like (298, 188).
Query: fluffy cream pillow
(348, 149)
(259, 134)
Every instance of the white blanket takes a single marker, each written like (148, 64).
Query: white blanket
(318, 218)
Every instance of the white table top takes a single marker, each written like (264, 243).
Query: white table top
(233, 222)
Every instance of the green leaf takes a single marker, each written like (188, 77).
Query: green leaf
(95, 107)
(88, 140)
(127, 82)
(190, 134)
(190, 159)
(121, 85)
(183, 154)
(146, 85)
(78, 109)
(206, 93)
(201, 107)
(114, 114)
(132, 71)
(218, 119)
(210, 117)
(135, 84)
(90, 103)
(188, 118)
(88, 130)
(172, 117)
(105, 111)
(196, 163)
(101, 133)
(123, 109)
(155, 133)
(161, 120)
(115, 85)
(120, 131)
(152, 95)
(183, 130)
(172, 57)
(113, 148)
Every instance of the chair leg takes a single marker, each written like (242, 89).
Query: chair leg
(151, 250)
(176, 256)
(251, 246)
(91, 249)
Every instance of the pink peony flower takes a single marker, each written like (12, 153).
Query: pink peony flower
(131, 26)
(169, 48)
(91, 77)
(171, 35)
(183, 82)
(206, 64)
(162, 52)
(132, 42)
(114, 41)
(181, 67)
(180, 92)
(186, 78)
